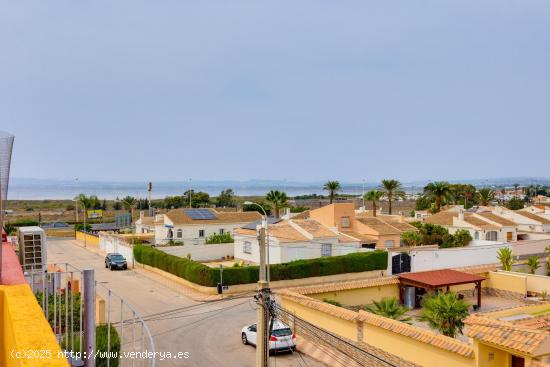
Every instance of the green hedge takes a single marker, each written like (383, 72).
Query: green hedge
(204, 275)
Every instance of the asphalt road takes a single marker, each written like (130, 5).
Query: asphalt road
(209, 331)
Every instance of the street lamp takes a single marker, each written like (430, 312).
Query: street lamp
(266, 225)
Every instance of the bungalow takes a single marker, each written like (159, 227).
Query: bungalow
(531, 219)
(145, 224)
(195, 225)
(481, 223)
(293, 239)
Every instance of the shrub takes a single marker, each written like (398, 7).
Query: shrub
(204, 275)
(25, 223)
(101, 346)
(411, 238)
(219, 238)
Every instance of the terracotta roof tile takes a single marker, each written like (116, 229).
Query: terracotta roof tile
(534, 216)
(313, 227)
(498, 219)
(478, 222)
(443, 218)
(385, 226)
(341, 286)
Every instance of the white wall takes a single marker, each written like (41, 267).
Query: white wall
(201, 252)
(110, 243)
(422, 260)
(190, 232)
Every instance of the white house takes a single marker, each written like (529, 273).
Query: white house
(294, 239)
(193, 226)
(531, 219)
(481, 223)
(145, 224)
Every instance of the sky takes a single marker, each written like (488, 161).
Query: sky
(292, 90)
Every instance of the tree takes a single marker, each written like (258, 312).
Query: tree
(117, 205)
(515, 204)
(254, 208)
(516, 190)
(445, 312)
(87, 202)
(463, 194)
(332, 187)
(506, 258)
(278, 199)
(533, 264)
(485, 196)
(422, 203)
(104, 205)
(439, 191)
(373, 196)
(392, 189)
(389, 307)
(411, 238)
(461, 238)
(225, 199)
(199, 199)
(129, 202)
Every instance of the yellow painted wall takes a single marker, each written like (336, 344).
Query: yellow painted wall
(488, 356)
(361, 296)
(537, 283)
(412, 350)
(23, 327)
(336, 325)
(508, 281)
(87, 238)
(330, 215)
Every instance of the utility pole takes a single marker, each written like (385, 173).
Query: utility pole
(263, 298)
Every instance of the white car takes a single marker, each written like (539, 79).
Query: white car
(282, 337)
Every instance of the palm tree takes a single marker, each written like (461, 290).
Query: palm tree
(278, 199)
(485, 196)
(411, 238)
(332, 187)
(87, 202)
(533, 264)
(373, 196)
(129, 202)
(445, 312)
(516, 190)
(392, 189)
(439, 191)
(506, 258)
(389, 307)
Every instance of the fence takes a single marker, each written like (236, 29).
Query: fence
(92, 321)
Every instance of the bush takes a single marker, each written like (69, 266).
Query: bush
(25, 223)
(515, 204)
(204, 275)
(219, 238)
(101, 346)
(83, 228)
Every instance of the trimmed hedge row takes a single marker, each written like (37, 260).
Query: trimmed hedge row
(204, 275)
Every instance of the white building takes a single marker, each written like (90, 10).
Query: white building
(482, 224)
(294, 239)
(193, 226)
(531, 219)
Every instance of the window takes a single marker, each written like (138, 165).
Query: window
(491, 236)
(344, 222)
(476, 235)
(326, 250)
(179, 233)
(170, 233)
(201, 233)
(368, 245)
(389, 244)
(247, 247)
(222, 231)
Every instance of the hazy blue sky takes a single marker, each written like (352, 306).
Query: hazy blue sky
(296, 90)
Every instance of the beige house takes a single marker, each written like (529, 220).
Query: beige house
(531, 219)
(145, 224)
(482, 224)
(293, 239)
(193, 226)
(380, 232)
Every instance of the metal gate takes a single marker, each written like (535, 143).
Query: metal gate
(400, 263)
(62, 294)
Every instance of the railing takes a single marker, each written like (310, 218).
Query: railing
(120, 331)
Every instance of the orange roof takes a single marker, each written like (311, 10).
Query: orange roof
(497, 219)
(533, 216)
(313, 227)
(366, 238)
(440, 278)
(505, 334)
(444, 218)
(478, 222)
(385, 226)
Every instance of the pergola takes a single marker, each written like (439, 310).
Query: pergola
(436, 279)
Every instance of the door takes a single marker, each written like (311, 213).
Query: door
(401, 263)
(509, 236)
(518, 361)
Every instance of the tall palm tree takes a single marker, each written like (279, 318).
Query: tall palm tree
(485, 196)
(445, 312)
(439, 191)
(373, 196)
(332, 187)
(533, 264)
(279, 200)
(129, 202)
(392, 189)
(516, 190)
(389, 307)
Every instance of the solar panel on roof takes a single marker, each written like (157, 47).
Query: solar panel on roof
(199, 214)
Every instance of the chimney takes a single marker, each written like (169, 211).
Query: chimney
(141, 214)
(401, 217)
(461, 215)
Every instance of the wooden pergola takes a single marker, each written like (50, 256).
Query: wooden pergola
(439, 279)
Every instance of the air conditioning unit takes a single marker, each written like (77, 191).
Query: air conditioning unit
(32, 249)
